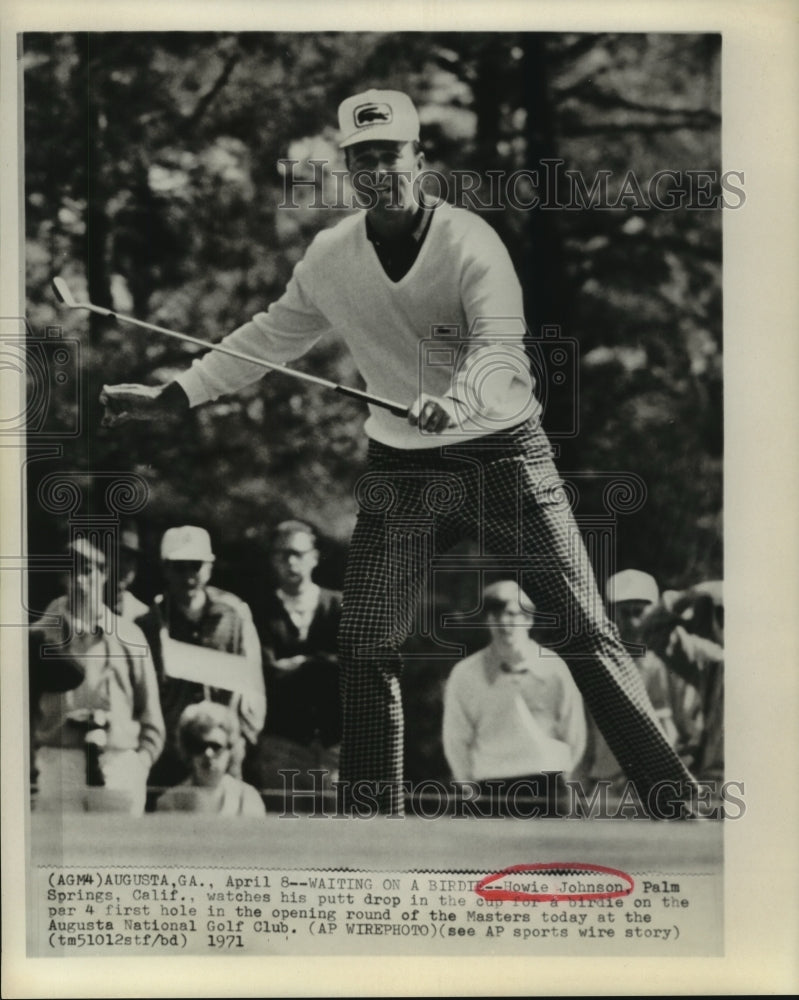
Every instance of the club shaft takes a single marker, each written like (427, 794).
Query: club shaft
(387, 404)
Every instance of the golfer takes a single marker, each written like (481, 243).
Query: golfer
(426, 297)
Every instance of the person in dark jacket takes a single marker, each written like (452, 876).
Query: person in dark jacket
(298, 626)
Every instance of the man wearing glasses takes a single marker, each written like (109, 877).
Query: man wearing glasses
(298, 625)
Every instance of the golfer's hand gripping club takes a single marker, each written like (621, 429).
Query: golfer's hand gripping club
(433, 414)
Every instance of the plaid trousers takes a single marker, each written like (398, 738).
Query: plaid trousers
(503, 491)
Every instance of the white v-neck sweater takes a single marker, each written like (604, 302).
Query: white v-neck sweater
(452, 326)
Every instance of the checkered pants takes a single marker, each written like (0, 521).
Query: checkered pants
(503, 491)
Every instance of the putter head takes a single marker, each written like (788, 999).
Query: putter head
(63, 294)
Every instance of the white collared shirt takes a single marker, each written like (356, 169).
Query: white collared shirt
(500, 724)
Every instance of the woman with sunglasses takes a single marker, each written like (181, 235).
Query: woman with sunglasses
(211, 743)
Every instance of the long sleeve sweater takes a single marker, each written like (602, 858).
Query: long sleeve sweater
(452, 327)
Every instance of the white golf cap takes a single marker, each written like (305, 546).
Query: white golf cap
(632, 585)
(187, 544)
(377, 114)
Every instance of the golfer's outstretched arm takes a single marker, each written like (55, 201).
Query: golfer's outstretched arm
(289, 328)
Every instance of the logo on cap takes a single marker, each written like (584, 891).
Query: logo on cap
(368, 114)
(377, 115)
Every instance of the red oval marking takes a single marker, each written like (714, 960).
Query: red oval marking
(568, 869)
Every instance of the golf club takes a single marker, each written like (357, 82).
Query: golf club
(65, 296)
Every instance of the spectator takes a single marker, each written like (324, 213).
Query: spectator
(97, 720)
(195, 613)
(693, 648)
(632, 595)
(701, 609)
(210, 741)
(512, 710)
(298, 627)
(122, 600)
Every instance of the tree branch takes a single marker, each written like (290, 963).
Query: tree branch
(208, 97)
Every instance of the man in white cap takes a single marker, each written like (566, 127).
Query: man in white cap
(632, 598)
(193, 613)
(513, 717)
(629, 594)
(693, 649)
(427, 299)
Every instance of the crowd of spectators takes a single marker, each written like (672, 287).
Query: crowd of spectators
(196, 701)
